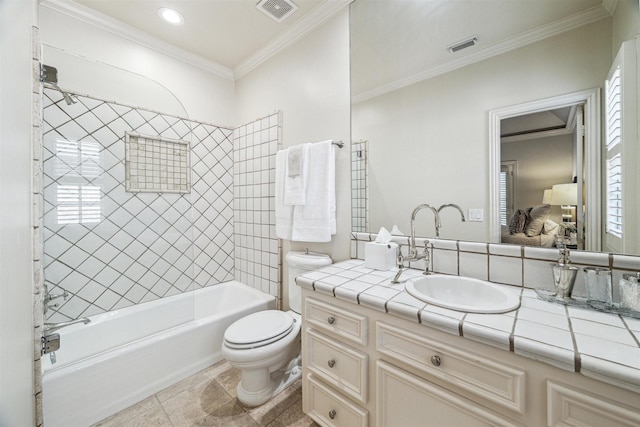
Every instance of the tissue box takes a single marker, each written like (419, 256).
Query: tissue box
(380, 256)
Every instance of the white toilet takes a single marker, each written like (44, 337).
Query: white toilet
(266, 345)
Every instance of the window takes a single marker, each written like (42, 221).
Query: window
(78, 196)
(507, 191)
(613, 144)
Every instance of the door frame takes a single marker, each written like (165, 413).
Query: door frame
(590, 98)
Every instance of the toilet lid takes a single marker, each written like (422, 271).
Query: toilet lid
(258, 329)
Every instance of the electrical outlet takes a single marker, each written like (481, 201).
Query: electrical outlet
(476, 215)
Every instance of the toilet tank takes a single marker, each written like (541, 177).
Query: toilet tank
(301, 262)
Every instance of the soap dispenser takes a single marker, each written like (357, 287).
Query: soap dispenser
(564, 274)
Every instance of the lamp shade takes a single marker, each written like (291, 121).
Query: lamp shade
(564, 194)
(546, 198)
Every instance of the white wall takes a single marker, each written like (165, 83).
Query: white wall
(429, 142)
(626, 23)
(17, 17)
(205, 96)
(309, 82)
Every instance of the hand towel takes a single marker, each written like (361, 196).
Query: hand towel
(294, 161)
(294, 184)
(284, 213)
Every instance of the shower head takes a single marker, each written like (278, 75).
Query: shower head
(49, 76)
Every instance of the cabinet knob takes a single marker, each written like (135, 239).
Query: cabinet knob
(331, 320)
(332, 414)
(331, 363)
(436, 360)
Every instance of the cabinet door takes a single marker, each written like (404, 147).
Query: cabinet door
(569, 406)
(407, 400)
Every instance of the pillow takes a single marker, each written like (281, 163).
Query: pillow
(518, 221)
(550, 227)
(537, 217)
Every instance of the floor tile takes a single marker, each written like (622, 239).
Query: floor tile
(135, 412)
(208, 398)
(193, 406)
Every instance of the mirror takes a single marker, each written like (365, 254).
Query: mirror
(426, 114)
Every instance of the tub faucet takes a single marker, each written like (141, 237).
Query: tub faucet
(51, 327)
(448, 205)
(413, 250)
(46, 303)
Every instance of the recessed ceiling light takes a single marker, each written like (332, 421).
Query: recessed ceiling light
(171, 16)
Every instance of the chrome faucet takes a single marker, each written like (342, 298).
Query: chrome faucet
(413, 250)
(448, 205)
(52, 327)
(50, 297)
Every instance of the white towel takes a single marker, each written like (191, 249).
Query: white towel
(284, 213)
(294, 184)
(315, 221)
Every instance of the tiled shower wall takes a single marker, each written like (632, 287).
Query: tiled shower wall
(109, 248)
(257, 249)
(359, 189)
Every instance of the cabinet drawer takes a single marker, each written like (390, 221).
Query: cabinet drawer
(499, 383)
(569, 406)
(340, 366)
(345, 324)
(406, 400)
(328, 408)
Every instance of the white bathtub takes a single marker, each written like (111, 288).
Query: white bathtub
(126, 355)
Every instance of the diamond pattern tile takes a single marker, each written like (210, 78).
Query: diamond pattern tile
(141, 247)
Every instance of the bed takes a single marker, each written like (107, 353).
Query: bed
(531, 227)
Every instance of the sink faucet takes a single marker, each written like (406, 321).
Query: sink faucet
(413, 250)
(448, 205)
(51, 327)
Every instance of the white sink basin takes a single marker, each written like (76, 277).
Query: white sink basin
(462, 294)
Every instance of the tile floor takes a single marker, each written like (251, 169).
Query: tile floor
(208, 398)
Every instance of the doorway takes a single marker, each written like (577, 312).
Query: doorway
(585, 161)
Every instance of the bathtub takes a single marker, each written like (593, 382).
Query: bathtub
(124, 356)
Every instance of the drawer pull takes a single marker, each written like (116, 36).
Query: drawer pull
(331, 320)
(331, 363)
(436, 360)
(332, 414)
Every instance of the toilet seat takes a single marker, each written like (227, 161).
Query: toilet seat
(258, 329)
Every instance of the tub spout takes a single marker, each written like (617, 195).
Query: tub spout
(51, 327)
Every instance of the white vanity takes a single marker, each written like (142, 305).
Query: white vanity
(373, 355)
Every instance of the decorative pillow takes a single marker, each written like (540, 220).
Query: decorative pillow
(550, 227)
(518, 221)
(537, 217)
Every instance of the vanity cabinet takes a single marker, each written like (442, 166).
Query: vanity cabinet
(335, 364)
(362, 367)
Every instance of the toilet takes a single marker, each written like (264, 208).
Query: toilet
(265, 345)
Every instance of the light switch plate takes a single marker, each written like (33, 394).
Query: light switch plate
(476, 215)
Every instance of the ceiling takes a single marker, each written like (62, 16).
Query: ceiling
(554, 122)
(391, 41)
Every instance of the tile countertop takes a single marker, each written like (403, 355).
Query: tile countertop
(598, 345)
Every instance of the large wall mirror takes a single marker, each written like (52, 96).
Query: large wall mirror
(495, 106)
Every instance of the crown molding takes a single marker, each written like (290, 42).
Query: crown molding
(550, 30)
(134, 35)
(610, 5)
(300, 29)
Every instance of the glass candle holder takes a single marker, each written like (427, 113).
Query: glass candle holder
(629, 287)
(598, 282)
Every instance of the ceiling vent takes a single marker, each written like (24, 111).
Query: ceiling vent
(277, 9)
(472, 41)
